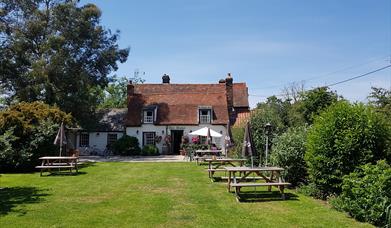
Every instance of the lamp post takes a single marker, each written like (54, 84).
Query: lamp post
(268, 130)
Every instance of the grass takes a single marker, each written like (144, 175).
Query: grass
(149, 195)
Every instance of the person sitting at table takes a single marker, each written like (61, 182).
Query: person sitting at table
(213, 147)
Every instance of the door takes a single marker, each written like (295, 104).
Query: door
(176, 140)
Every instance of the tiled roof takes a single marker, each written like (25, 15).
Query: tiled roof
(178, 104)
(240, 95)
(111, 119)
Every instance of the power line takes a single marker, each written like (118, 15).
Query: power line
(336, 83)
(360, 76)
(327, 74)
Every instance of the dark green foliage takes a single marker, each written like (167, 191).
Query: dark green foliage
(237, 135)
(56, 52)
(381, 99)
(150, 150)
(126, 146)
(366, 193)
(342, 138)
(314, 101)
(27, 132)
(288, 153)
(260, 117)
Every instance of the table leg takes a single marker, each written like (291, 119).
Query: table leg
(229, 181)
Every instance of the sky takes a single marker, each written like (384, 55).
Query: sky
(270, 45)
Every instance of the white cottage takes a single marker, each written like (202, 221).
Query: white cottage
(109, 128)
(160, 114)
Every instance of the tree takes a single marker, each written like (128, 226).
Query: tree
(381, 99)
(115, 94)
(342, 138)
(27, 132)
(56, 52)
(314, 101)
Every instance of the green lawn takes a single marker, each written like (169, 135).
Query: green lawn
(148, 195)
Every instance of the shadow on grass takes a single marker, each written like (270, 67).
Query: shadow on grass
(265, 196)
(13, 197)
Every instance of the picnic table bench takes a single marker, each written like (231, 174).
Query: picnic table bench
(217, 165)
(237, 182)
(201, 155)
(49, 163)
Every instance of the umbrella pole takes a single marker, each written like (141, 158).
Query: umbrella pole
(252, 162)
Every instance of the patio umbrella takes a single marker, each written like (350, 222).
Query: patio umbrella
(60, 137)
(204, 132)
(248, 148)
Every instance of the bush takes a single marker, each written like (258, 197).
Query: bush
(27, 132)
(150, 150)
(366, 193)
(342, 138)
(237, 135)
(288, 153)
(126, 146)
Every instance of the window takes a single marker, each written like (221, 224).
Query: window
(111, 138)
(149, 138)
(84, 140)
(205, 115)
(148, 116)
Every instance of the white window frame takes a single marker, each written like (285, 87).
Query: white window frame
(147, 118)
(149, 138)
(205, 118)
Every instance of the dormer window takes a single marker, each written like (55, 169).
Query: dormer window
(205, 115)
(149, 114)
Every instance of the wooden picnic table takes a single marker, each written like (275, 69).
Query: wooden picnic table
(49, 163)
(237, 182)
(201, 155)
(214, 165)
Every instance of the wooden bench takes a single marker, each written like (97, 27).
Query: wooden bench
(280, 185)
(49, 163)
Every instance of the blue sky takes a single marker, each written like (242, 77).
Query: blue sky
(267, 44)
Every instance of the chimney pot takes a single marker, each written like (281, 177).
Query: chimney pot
(222, 81)
(166, 79)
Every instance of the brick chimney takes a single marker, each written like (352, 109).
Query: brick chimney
(230, 97)
(166, 79)
(130, 88)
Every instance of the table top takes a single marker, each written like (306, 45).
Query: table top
(246, 169)
(226, 159)
(55, 158)
(208, 151)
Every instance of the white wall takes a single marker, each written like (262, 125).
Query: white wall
(164, 130)
(98, 140)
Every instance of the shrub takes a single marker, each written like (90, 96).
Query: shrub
(27, 132)
(237, 135)
(366, 193)
(150, 150)
(126, 146)
(288, 153)
(342, 138)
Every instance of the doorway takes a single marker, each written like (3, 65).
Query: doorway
(176, 141)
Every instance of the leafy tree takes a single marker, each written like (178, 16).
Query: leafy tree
(288, 153)
(56, 52)
(314, 101)
(381, 99)
(366, 193)
(27, 132)
(342, 138)
(259, 118)
(115, 94)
